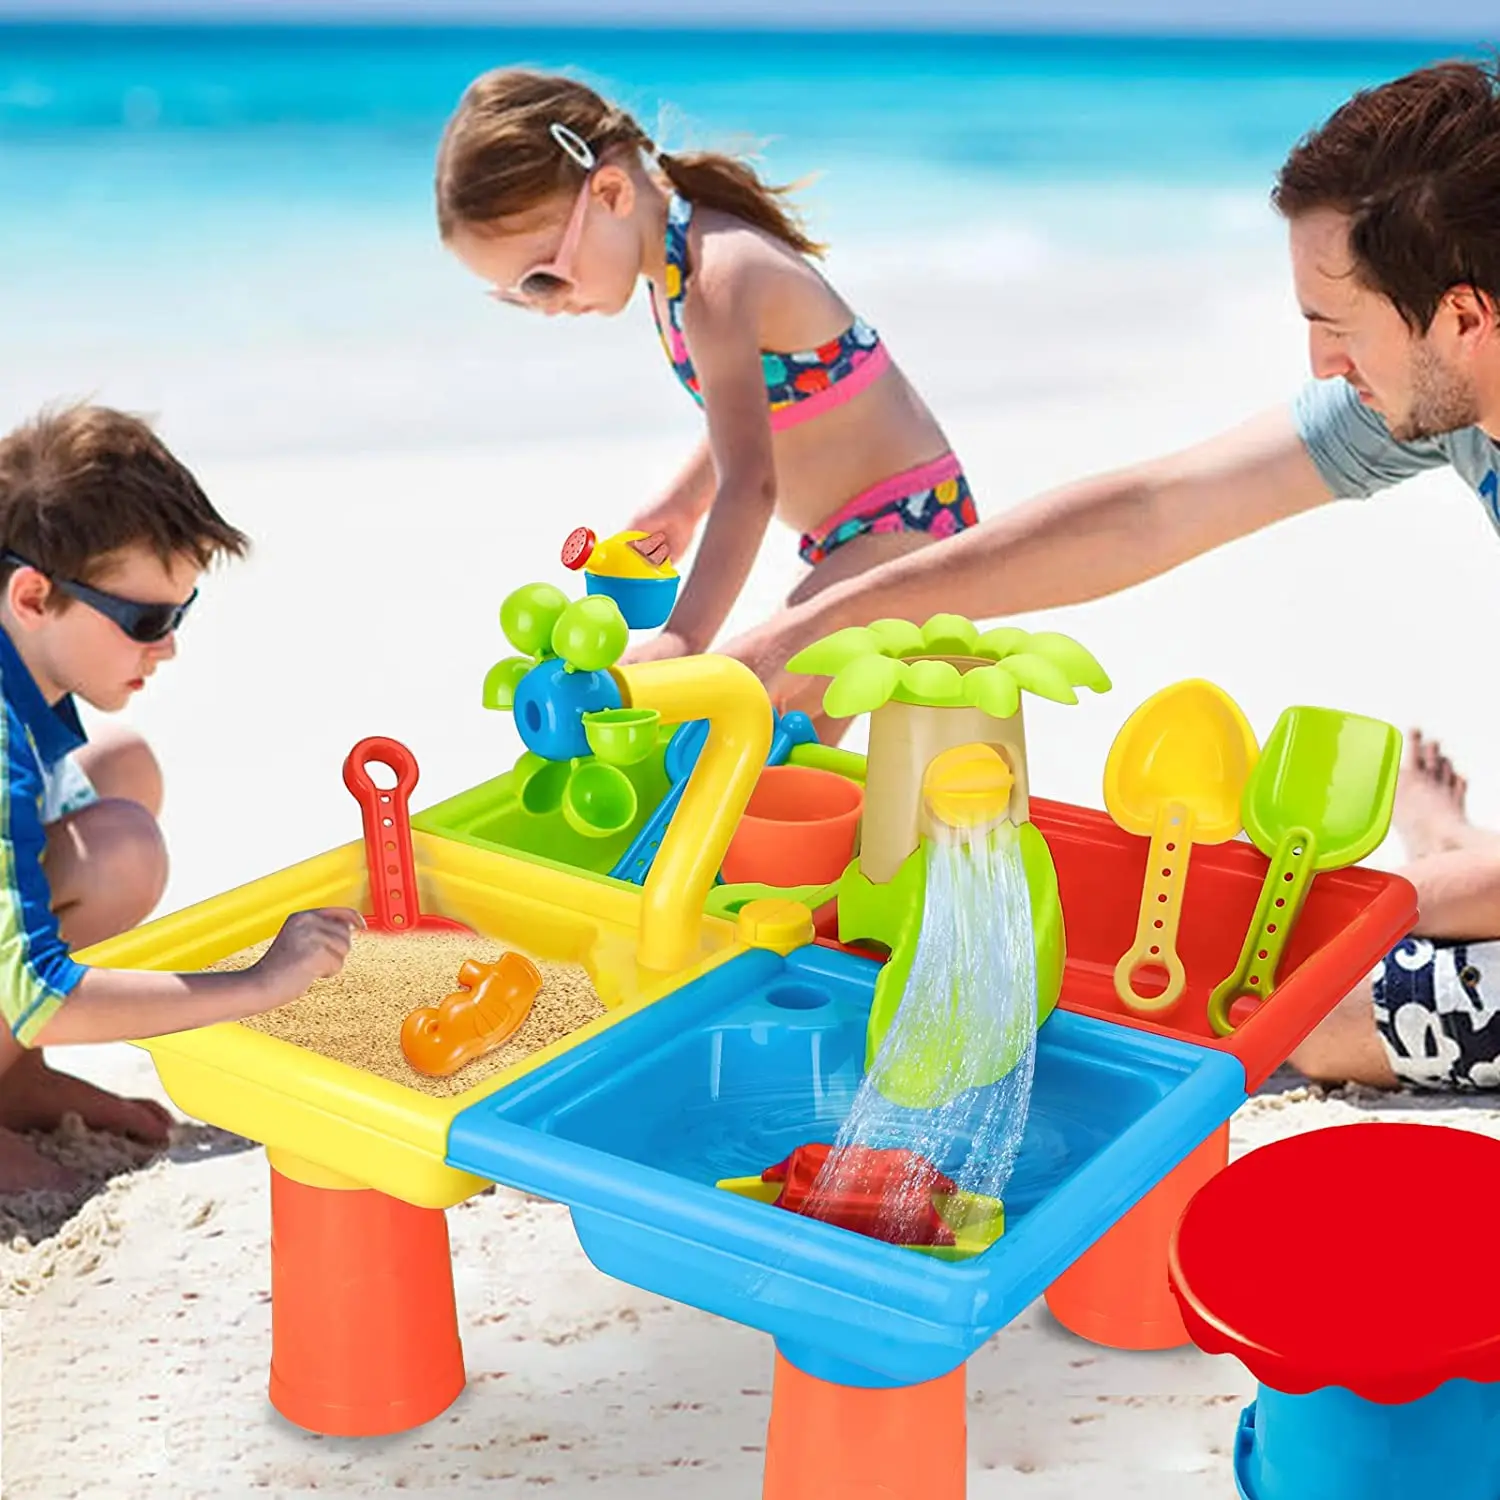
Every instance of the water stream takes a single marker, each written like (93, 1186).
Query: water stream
(969, 1007)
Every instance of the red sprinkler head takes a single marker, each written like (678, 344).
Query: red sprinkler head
(578, 548)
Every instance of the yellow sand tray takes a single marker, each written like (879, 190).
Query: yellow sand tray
(357, 1016)
(340, 1120)
(977, 1222)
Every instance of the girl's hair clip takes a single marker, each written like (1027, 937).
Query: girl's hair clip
(574, 145)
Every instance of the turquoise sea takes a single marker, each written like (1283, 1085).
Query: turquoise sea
(211, 122)
(261, 195)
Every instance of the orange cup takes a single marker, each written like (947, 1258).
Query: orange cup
(798, 829)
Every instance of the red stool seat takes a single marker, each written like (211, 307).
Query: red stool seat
(1359, 1256)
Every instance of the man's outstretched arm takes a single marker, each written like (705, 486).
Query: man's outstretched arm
(1080, 542)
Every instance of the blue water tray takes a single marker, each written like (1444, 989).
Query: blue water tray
(730, 1074)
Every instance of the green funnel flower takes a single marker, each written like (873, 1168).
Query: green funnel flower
(895, 661)
(587, 635)
(568, 648)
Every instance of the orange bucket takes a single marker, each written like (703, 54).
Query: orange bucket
(798, 829)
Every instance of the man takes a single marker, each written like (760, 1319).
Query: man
(1393, 212)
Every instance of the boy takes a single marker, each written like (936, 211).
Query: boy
(103, 535)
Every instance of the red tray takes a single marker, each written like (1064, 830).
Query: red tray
(1351, 918)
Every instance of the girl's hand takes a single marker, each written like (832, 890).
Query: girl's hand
(664, 647)
(670, 532)
(656, 548)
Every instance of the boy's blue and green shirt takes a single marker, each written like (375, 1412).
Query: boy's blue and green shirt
(36, 973)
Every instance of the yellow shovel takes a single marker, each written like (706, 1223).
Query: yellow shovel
(1176, 771)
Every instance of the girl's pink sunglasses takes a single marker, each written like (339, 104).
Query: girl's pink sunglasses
(543, 284)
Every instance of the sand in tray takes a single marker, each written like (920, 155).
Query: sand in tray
(356, 1016)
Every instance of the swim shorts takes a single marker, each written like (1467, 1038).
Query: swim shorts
(1437, 1009)
(66, 789)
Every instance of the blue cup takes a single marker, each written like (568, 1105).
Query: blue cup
(646, 603)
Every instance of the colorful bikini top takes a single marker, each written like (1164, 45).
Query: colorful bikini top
(798, 386)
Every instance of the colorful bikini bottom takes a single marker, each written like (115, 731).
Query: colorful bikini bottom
(933, 497)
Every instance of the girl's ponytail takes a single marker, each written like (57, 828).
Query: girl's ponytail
(499, 157)
(710, 179)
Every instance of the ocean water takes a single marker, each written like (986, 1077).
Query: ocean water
(216, 122)
(233, 225)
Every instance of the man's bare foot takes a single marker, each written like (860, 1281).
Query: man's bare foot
(24, 1170)
(1429, 813)
(35, 1097)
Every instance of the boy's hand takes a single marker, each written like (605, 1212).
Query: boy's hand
(311, 945)
(664, 647)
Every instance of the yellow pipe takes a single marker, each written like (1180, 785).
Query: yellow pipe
(730, 696)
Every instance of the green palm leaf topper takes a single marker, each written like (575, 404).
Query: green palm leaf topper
(894, 661)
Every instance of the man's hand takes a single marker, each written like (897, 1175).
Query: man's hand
(766, 650)
(663, 647)
(311, 945)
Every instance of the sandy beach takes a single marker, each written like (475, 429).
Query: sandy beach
(400, 474)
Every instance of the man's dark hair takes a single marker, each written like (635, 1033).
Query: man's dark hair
(1415, 165)
(80, 482)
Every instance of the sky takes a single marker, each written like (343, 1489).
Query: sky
(1472, 19)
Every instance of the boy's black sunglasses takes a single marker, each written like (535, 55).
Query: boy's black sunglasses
(145, 623)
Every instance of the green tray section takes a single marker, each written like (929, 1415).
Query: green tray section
(490, 815)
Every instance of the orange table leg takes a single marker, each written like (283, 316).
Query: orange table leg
(364, 1331)
(839, 1442)
(1116, 1292)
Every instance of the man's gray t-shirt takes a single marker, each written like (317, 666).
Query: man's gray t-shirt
(1356, 454)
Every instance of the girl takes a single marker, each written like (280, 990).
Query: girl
(561, 202)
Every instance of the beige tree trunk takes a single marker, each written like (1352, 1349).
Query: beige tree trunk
(904, 741)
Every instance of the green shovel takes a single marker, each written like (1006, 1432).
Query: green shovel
(1319, 798)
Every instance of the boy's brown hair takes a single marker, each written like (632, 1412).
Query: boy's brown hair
(78, 483)
(1415, 165)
